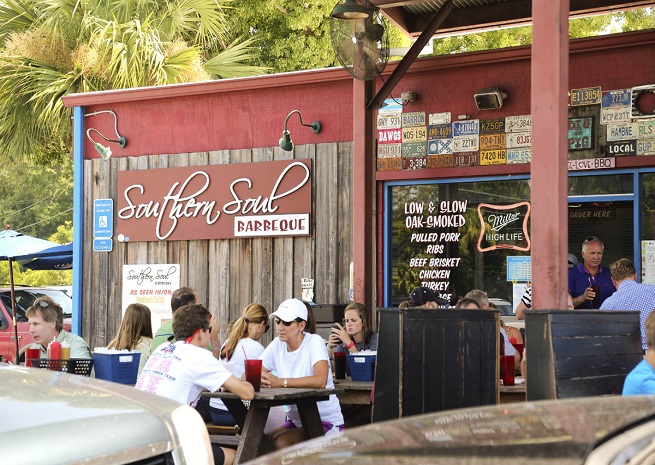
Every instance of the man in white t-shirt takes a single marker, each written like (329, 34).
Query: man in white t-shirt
(180, 371)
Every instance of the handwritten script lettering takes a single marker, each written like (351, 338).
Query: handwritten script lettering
(183, 200)
(498, 222)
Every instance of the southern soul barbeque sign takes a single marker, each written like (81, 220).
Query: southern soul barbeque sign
(215, 202)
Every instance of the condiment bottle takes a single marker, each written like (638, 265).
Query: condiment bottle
(54, 348)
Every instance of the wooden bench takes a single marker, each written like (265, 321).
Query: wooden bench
(223, 435)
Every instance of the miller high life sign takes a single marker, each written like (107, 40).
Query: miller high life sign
(215, 202)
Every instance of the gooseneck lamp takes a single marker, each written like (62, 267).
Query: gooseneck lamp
(350, 9)
(285, 141)
(105, 152)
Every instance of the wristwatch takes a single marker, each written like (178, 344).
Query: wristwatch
(284, 384)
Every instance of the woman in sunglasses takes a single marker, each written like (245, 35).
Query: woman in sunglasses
(297, 358)
(242, 342)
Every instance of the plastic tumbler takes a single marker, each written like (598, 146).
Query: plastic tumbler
(596, 302)
(340, 365)
(254, 373)
(31, 354)
(507, 369)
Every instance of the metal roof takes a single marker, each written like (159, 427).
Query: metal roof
(412, 16)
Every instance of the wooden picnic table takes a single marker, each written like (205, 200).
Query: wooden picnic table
(252, 420)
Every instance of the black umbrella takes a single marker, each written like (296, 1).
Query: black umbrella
(16, 246)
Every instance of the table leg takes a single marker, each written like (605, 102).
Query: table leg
(252, 436)
(311, 420)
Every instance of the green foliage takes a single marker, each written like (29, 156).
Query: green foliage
(51, 48)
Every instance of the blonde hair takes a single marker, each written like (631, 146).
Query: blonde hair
(253, 313)
(136, 324)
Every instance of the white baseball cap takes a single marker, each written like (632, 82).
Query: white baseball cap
(291, 309)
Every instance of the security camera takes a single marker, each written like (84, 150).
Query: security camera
(489, 98)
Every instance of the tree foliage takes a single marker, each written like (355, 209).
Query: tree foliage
(51, 48)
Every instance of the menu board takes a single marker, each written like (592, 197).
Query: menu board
(434, 225)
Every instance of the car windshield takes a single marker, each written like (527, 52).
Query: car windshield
(25, 299)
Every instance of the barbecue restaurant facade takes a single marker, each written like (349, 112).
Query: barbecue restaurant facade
(203, 184)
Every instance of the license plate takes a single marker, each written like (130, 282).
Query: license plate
(493, 157)
(416, 118)
(621, 131)
(586, 96)
(466, 128)
(389, 164)
(492, 141)
(440, 146)
(466, 144)
(390, 136)
(519, 155)
(467, 159)
(439, 118)
(415, 134)
(441, 161)
(520, 123)
(440, 131)
(645, 129)
(519, 139)
(389, 120)
(646, 147)
(490, 126)
(414, 149)
(390, 150)
(616, 98)
(415, 163)
(615, 115)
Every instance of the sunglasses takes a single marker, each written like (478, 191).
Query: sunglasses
(287, 323)
(591, 239)
(190, 338)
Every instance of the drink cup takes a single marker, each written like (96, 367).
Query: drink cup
(507, 369)
(519, 348)
(340, 365)
(31, 354)
(254, 373)
(596, 302)
(65, 350)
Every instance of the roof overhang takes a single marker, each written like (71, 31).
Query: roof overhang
(413, 16)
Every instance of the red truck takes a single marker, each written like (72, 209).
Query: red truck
(25, 297)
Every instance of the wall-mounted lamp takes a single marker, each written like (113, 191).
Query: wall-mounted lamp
(105, 152)
(350, 9)
(490, 98)
(285, 141)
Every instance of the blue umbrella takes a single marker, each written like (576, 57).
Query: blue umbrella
(16, 246)
(45, 260)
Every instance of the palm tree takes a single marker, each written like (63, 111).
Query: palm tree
(51, 48)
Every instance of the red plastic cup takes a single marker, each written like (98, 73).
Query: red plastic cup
(31, 354)
(254, 373)
(507, 369)
(340, 365)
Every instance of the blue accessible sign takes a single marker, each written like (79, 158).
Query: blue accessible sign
(103, 245)
(103, 218)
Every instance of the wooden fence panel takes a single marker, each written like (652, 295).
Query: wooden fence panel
(228, 273)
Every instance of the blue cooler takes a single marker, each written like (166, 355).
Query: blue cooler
(362, 367)
(119, 368)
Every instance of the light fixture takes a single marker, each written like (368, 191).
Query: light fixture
(350, 9)
(105, 152)
(285, 141)
(490, 98)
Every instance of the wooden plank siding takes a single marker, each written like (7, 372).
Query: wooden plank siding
(228, 273)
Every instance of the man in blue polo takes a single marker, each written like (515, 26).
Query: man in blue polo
(588, 274)
(630, 295)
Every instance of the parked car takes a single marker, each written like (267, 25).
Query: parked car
(52, 418)
(593, 430)
(507, 313)
(25, 297)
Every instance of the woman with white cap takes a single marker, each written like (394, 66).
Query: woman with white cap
(296, 358)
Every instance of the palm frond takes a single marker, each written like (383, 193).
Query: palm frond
(230, 63)
(15, 16)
